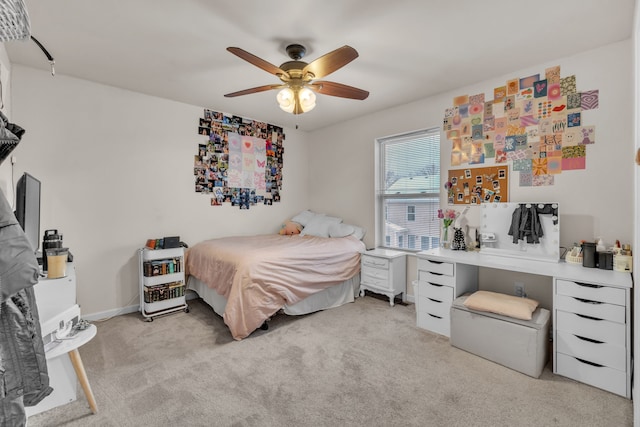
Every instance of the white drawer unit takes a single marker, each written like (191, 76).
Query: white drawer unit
(384, 271)
(439, 283)
(592, 334)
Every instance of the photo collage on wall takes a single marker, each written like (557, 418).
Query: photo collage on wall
(534, 122)
(240, 161)
(475, 186)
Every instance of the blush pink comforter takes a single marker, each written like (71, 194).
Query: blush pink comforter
(258, 275)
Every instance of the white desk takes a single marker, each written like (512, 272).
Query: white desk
(591, 310)
(558, 270)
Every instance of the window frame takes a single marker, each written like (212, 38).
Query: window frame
(411, 213)
(381, 211)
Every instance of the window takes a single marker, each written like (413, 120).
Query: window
(411, 213)
(408, 190)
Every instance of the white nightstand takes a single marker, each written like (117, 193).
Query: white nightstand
(384, 271)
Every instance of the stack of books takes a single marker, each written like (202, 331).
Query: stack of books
(163, 291)
(162, 266)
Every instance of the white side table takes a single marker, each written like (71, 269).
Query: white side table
(71, 346)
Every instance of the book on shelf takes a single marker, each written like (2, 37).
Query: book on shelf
(163, 291)
(162, 266)
(163, 243)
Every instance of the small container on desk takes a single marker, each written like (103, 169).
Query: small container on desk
(162, 282)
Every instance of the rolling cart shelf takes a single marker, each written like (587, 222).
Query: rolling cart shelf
(162, 282)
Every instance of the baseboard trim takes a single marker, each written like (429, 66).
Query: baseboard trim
(108, 314)
(103, 315)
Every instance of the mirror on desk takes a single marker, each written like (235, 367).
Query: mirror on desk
(508, 229)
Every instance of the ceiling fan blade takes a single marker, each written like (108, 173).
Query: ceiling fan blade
(253, 90)
(338, 89)
(331, 62)
(258, 62)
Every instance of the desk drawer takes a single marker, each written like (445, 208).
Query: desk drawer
(431, 305)
(374, 262)
(602, 353)
(600, 310)
(435, 291)
(440, 279)
(435, 323)
(591, 292)
(599, 330)
(440, 267)
(602, 377)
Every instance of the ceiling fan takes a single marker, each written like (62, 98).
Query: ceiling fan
(299, 84)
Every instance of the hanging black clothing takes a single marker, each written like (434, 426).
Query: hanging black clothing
(525, 224)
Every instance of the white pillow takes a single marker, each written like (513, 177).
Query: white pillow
(344, 230)
(340, 230)
(359, 232)
(304, 217)
(319, 226)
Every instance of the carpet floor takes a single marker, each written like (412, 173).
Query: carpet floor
(362, 364)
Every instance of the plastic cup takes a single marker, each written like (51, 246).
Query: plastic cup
(57, 262)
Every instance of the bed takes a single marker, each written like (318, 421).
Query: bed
(247, 279)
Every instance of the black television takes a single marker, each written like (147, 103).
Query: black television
(28, 208)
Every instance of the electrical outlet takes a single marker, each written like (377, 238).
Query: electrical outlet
(518, 289)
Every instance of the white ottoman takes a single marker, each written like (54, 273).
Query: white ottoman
(522, 345)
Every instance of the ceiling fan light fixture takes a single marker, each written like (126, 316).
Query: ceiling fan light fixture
(299, 85)
(304, 99)
(307, 99)
(286, 100)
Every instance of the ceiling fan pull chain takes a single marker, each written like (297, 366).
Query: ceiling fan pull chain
(47, 54)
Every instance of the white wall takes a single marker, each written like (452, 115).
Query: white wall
(117, 168)
(596, 202)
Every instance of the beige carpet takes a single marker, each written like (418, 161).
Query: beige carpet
(363, 364)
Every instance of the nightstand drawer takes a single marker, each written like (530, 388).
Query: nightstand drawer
(375, 283)
(374, 262)
(427, 276)
(374, 273)
(599, 310)
(435, 291)
(602, 377)
(599, 330)
(435, 266)
(591, 292)
(598, 352)
(435, 323)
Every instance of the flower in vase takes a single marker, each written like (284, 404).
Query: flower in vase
(447, 217)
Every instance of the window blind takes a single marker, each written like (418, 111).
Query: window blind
(409, 190)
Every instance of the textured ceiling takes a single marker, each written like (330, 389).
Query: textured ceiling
(409, 49)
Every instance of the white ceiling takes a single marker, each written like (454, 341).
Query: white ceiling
(409, 49)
